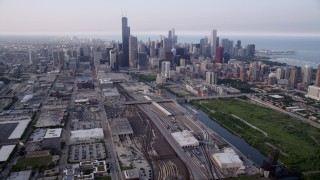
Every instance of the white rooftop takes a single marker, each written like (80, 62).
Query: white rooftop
(27, 98)
(228, 160)
(109, 92)
(96, 133)
(5, 152)
(276, 96)
(19, 130)
(53, 133)
(185, 138)
(21, 175)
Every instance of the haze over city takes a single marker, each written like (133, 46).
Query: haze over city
(247, 17)
(154, 90)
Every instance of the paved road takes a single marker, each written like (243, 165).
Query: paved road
(112, 156)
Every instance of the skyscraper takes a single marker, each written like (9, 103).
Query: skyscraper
(211, 78)
(317, 83)
(213, 44)
(165, 68)
(125, 42)
(306, 75)
(30, 57)
(219, 54)
(250, 50)
(133, 52)
(293, 76)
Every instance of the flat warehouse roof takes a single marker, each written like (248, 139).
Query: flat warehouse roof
(185, 138)
(5, 152)
(53, 133)
(19, 130)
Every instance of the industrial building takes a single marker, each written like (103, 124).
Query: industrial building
(85, 83)
(121, 127)
(106, 83)
(21, 175)
(5, 152)
(185, 139)
(86, 135)
(228, 160)
(111, 93)
(52, 138)
(18, 130)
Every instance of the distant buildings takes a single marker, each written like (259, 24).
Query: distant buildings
(317, 83)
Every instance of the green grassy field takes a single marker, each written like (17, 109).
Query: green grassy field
(298, 142)
(29, 163)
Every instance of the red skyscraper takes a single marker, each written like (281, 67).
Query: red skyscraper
(219, 54)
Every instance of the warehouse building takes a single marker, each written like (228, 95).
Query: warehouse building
(5, 152)
(185, 139)
(121, 127)
(228, 160)
(52, 138)
(86, 135)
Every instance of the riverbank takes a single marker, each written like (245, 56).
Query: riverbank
(294, 139)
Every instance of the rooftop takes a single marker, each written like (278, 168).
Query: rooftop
(19, 129)
(121, 126)
(53, 133)
(185, 138)
(87, 134)
(21, 175)
(5, 152)
(111, 92)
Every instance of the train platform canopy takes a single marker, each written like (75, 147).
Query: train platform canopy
(185, 139)
(5, 152)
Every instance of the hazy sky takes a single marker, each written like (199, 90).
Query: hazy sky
(156, 17)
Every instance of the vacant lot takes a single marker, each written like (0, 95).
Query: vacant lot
(298, 142)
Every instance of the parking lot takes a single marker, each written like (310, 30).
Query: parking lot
(86, 152)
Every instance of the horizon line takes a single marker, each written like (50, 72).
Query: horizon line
(159, 33)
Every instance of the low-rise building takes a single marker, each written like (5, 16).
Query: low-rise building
(185, 139)
(314, 92)
(86, 135)
(52, 138)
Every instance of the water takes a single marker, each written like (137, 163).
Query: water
(255, 155)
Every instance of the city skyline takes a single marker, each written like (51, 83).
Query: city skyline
(246, 17)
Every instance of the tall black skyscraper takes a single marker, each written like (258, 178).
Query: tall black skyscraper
(125, 42)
